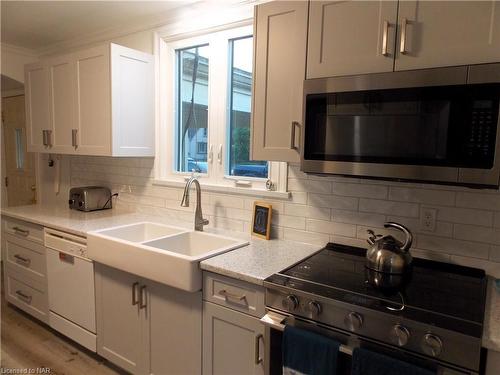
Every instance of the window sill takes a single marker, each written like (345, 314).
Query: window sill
(228, 189)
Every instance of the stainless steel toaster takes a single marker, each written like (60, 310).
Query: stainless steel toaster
(90, 198)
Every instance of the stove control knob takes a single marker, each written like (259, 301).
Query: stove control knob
(432, 345)
(400, 335)
(291, 302)
(314, 308)
(353, 321)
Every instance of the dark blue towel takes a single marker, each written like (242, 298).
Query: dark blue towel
(365, 362)
(307, 352)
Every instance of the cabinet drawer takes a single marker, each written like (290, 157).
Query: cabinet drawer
(235, 294)
(27, 295)
(23, 229)
(26, 257)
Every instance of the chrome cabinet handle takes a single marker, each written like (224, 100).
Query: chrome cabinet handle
(227, 295)
(384, 39)
(23, 232)
(47, 138)
(24, 296)
(293, 146)
(135, 301)
(258, 358)
(142, 298)
(44, 138)
(74, 138)
(402, 48)
(22, 259)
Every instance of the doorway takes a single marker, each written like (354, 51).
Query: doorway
(18, 168)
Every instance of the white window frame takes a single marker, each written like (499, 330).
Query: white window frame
(218, 136)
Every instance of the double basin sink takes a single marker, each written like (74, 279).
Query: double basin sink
(158, 252)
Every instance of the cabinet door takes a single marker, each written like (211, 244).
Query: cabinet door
(119, 321)
(442, 33)
(132, 77)
(280, 39)
(233, 343)
(173, 330)
(93, 101)
(37, 106)
(351, 37)
(61, 102)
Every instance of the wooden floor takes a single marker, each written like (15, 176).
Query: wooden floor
(28, 344)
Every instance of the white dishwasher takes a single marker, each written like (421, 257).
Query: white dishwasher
(70, 276)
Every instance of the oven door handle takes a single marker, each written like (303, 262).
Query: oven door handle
(274, 320)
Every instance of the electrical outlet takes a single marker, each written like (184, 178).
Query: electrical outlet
(428, 219)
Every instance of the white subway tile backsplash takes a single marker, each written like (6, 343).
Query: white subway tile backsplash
(465, 216)
(322, 209)
(426, 196)
(360, 190)
(453, 246)
(313, 186)
(330, 227)
(388, 207)
(307, 211)
(332, 201)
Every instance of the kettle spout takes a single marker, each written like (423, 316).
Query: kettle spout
(372, 238)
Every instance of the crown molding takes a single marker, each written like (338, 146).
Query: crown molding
(11, 48)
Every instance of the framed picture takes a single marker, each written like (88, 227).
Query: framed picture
(261, 223)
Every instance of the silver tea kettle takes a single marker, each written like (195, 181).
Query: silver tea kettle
(387, 254)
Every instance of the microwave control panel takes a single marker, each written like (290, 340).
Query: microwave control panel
(482, 131)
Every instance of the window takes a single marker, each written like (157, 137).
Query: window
(206, 96)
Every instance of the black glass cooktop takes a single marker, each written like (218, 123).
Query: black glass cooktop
(430, 288)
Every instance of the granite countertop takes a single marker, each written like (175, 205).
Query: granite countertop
(252, 263)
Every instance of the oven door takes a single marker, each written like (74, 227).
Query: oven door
(275, 323)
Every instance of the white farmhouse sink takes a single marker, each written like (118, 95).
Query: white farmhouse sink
(162, 253)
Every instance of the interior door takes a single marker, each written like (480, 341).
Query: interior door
(351, 37)
(19, 171)
(445, 33)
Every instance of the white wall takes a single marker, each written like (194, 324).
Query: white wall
(13, 61)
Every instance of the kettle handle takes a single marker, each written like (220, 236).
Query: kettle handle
(409, 237)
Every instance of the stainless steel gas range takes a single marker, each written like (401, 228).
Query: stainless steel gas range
(433, 320)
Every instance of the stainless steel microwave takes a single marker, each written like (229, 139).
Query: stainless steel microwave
(438, 125)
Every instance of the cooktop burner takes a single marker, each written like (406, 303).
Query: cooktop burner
(433, 293)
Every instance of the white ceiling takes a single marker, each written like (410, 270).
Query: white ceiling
(40, 24)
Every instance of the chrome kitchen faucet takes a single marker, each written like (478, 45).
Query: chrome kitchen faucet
(199, 221)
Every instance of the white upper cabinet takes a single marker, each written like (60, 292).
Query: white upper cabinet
(351, 37)
(61, 105)
(99, 101)
(444, 33)
(38, 126)
(280, 37)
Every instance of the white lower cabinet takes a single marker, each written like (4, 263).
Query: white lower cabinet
(145, 327)
(233, 336)
(233, 342)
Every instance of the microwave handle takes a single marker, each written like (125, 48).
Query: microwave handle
(293, 146)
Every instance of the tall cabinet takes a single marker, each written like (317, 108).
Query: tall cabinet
(280, 35)
(97, 101)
